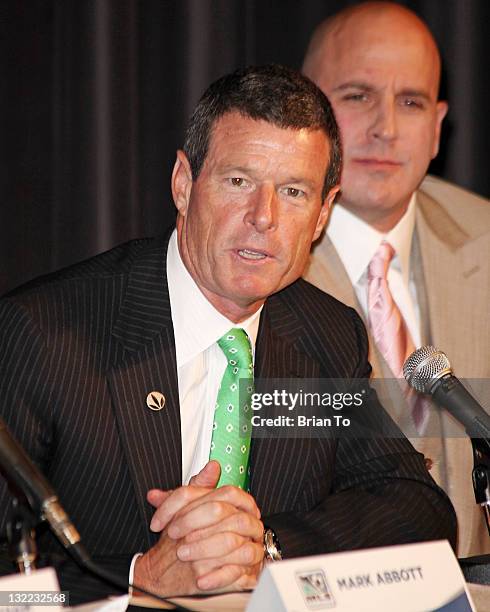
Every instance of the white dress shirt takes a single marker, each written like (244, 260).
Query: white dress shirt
(357, 253)
(200, 361)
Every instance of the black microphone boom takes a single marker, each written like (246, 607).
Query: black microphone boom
(428, 370)
(19, 470)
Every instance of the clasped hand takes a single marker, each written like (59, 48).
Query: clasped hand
(210, 539)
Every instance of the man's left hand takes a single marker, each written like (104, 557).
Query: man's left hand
(219, 529)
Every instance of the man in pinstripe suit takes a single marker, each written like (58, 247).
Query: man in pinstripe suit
(84, 352)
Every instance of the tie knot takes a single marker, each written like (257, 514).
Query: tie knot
(236, 346)
(379, 264)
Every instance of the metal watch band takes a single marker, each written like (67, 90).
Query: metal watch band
(272, 548)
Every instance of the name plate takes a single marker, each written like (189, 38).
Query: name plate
(408, 578)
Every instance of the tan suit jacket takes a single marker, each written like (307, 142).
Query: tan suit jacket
(450, 258)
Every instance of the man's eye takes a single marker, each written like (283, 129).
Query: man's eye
(412, 103)
(237, 181)
(294, 192)
(356, 97)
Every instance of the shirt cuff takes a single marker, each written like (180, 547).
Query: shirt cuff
(131, 572)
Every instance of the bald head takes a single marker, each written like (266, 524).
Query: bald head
(380, 66)
(361, 24)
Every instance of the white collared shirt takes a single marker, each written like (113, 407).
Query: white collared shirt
(356, 255)
(200, 361)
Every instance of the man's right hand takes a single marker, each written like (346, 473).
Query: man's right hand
(211, 539)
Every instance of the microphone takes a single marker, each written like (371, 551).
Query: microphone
(428, 370)
(20, 470)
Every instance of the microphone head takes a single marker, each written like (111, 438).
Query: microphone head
(425, 366)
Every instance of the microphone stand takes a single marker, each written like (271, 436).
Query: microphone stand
(21, 536)
(481, 475)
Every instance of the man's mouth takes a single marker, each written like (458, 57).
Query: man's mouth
(253, 255)
(374, 161)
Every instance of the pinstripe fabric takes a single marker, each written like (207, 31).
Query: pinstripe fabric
(81, 349)
(375, 495)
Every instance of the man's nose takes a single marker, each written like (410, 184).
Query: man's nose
(263, 209)
(384, 123)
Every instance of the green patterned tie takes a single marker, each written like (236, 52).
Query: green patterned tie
(232, 428)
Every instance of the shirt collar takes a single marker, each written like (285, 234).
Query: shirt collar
(197, 324)
(343, 225)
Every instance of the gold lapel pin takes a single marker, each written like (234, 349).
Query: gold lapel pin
(155, 400)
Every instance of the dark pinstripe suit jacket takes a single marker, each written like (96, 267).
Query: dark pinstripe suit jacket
(81, 349)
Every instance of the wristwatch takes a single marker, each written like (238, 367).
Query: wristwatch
(272, 548)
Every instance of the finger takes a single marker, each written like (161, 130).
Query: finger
(228, 577)
(199, 517)
(231, 495)
(217, 546)
(242, 523)
(178, 499)
(185, 499)
(248, 580)
(208, 476)
(223, 549)
(220, 578)
(156, 497)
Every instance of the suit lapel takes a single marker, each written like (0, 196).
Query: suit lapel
(417, 271)
(151, 439)
(451, 267)
(327, 272)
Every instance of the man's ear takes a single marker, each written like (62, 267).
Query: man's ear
(325, 211)
(181, 182)
(441, 110)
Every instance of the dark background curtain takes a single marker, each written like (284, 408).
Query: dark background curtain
(96, 95)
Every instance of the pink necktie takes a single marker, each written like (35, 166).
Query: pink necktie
(388, 327)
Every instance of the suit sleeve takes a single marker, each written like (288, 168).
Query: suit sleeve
(381, 493)
(26, 405)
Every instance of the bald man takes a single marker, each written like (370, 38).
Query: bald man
(380, 66)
